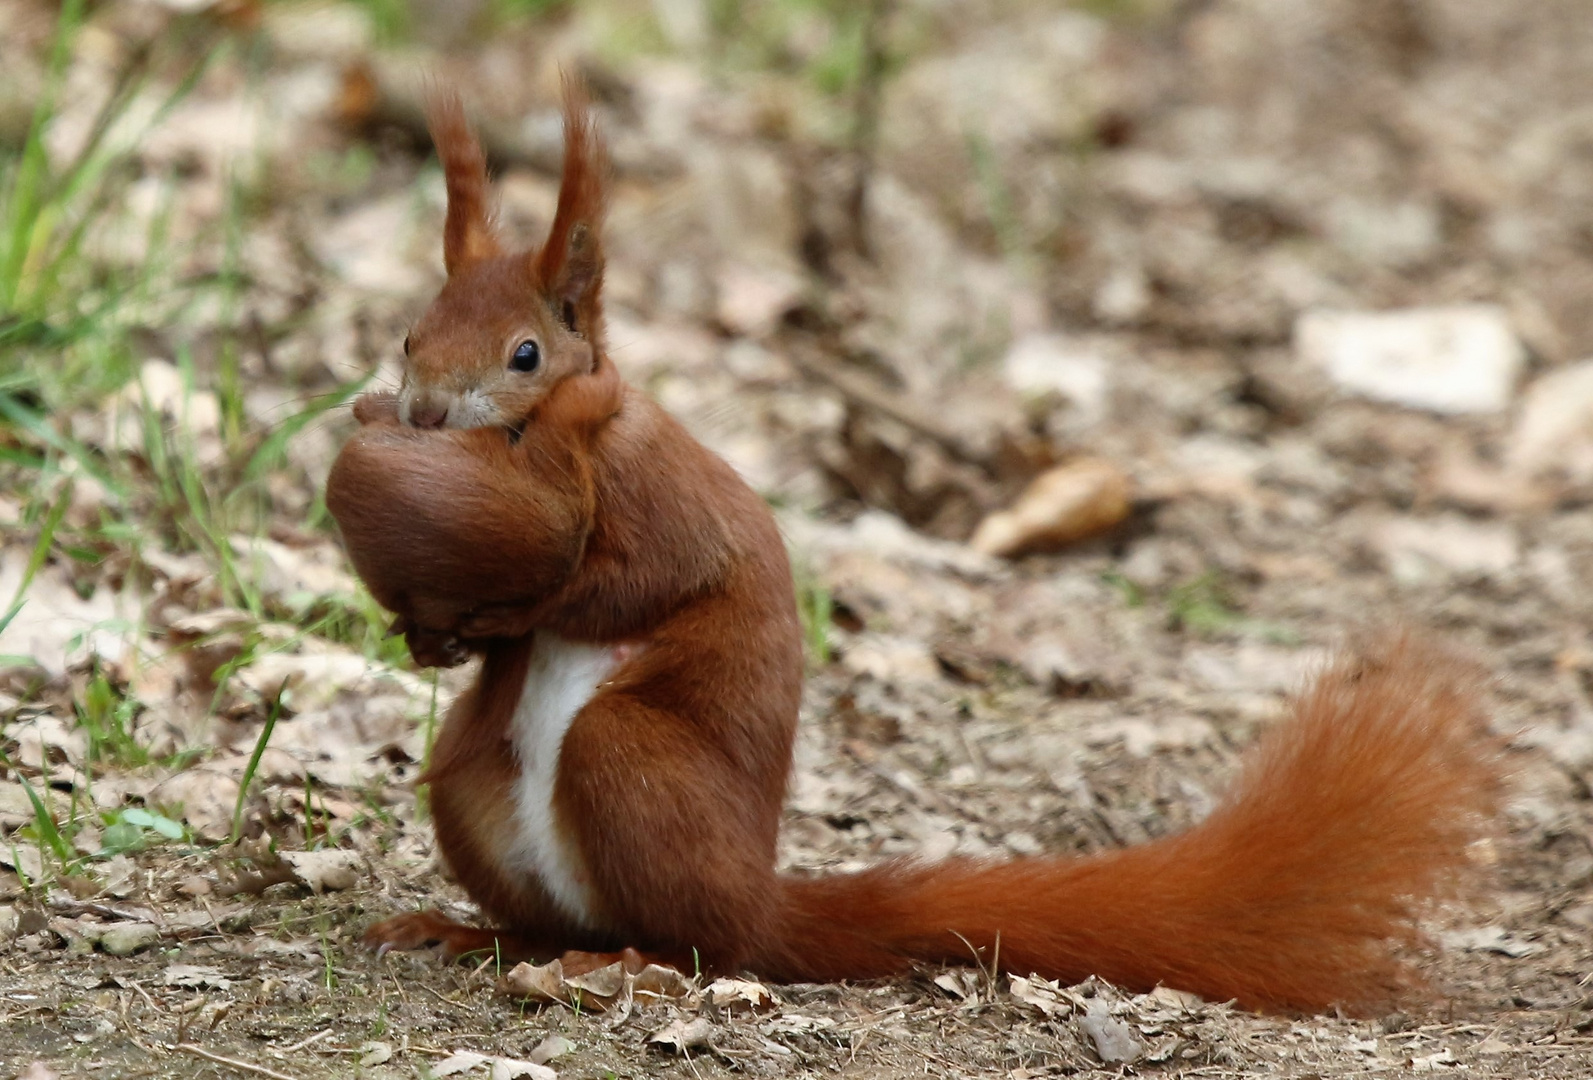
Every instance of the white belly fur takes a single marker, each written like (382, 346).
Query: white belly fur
(563, 677)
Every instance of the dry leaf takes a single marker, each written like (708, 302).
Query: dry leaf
(740, 996)
(660, 981)
(23, 858)
(543, 982)
(959, 983)
(1429, 1062)
(1042, 994)
(554, 1046)
(510, 1068)
(203, 797)
(1062, 505)
(1493, 939)
(595, 991)
(194, 977)
(795, 1024)
(324, 871)
(499, 1068)
(374, 1053)
(604, 982)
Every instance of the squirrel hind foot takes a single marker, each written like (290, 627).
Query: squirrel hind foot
(419, 929)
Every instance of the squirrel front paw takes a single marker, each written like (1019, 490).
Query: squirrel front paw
(433, 648)
(376, 407)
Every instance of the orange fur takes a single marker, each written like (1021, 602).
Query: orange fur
(591, 514)
(468, 235)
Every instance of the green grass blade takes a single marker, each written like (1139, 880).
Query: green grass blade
(41, 551)
(254, 763)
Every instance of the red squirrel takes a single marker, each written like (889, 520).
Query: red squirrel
(613, 780)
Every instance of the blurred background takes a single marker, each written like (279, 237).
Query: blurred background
(1105, 362)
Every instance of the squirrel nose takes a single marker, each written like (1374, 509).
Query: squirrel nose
(428, 412)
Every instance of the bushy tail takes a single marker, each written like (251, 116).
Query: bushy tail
(1299, 892)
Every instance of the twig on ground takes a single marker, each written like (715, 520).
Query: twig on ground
(258, 1070)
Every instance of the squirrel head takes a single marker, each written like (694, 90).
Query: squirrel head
(508, 328)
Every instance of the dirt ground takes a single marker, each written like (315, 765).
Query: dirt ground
(893, 261)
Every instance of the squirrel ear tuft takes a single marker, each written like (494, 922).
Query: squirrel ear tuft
(468, 234)
(569, 266)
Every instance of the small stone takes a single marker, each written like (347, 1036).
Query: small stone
(1058, 364)
(1554, 431)
(125, 939)
(1462, 359)
(1414, 547)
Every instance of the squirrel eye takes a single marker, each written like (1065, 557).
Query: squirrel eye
(527, 356)
(406, 344)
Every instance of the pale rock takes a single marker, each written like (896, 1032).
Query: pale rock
(125, 939)
(1059, 364)
(1554, 430)
(1414, 547)
(1453, 360)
